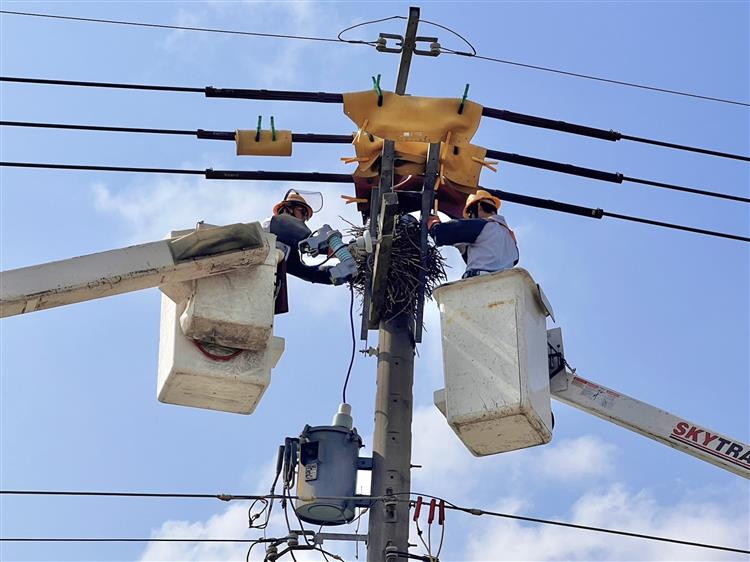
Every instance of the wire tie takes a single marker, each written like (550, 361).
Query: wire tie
(378, 91)
(257, 129)
(463, 100)
(273, 130)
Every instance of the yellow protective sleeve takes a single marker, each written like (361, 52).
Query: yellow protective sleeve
(414, 154)
(459, 164)
(266, 146)
(412, 118)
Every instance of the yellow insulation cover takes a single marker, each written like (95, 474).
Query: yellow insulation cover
(461, 168)
(368, 154)
(460, 164)
(412, 118)
(266, 146)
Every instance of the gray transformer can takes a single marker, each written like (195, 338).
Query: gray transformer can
(328, 458)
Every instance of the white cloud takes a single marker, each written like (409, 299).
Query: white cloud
(583, 457)
(616, 507)
(278, 61)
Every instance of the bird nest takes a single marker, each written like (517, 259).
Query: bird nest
(406, 269)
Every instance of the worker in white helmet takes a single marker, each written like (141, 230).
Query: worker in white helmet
(288, 224)
(483, 237)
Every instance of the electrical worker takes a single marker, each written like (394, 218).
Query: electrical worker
(483, 237)
(288, 224)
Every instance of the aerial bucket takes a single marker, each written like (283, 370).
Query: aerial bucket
(495, 360)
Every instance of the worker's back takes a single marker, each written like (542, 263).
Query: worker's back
(494, 249)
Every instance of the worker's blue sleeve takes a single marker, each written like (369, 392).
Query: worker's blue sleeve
(457, 231)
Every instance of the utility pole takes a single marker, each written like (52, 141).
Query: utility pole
(391, 474)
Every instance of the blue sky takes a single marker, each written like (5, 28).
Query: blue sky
(660, 315)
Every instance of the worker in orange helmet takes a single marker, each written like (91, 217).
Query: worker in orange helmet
(295, 205)
(288, 224)
(483, 237)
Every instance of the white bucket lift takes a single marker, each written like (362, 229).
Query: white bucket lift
(495, 360)
(188, 377)
(236, 309)
(216, 346)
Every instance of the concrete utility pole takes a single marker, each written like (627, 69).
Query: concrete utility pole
(389, 522)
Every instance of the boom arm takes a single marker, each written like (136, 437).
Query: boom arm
(203, 252)
(688, 437)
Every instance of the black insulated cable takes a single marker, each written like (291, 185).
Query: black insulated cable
(110, 129)
(550, 165)
(687, 189)
(345, 178)
(354, 342)
(273, 95)
(198, 133)
(89, 84)
(325, 97)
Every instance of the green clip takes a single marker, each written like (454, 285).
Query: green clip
(257, 130)
(463, 100)
(273, 130)
(376, 86)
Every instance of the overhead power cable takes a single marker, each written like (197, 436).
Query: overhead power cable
(320, 177)
(598, 78)
(119, 539)
(448, 504)
(184, 27)
(480, 512)
(324, 97)
(612, 177)
(340, 39)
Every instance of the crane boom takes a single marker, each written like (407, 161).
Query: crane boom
(650, 421)
(203, 252)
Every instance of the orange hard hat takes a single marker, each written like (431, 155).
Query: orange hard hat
(481, 195)
(293, 198)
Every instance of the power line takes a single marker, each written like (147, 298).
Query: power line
(550, 165)
(597, 78)
(480, 512)
(448, 504)
(339, 39)
(119, 539)
(324, 97)
(184, 28)
(354, 341)
(320, 177)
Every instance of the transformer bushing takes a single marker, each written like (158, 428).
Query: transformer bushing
(327, 479)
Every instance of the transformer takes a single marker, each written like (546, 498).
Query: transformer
(327, 477)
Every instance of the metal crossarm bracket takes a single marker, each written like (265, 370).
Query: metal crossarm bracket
(382, 264)
(320, 537)
(428, 199)
(370, 309)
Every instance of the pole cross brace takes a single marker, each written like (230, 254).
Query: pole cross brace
(354, 537)
(364, 463)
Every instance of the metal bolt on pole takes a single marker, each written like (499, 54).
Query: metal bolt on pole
(389, 522)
